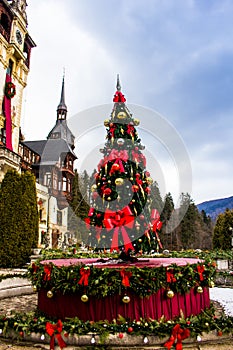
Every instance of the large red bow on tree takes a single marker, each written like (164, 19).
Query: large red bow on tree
(119, 97)
(115, 154)
(54, 330)
(119, 220)
(178, 334)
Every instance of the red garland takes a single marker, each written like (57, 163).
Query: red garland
(85, 273)
(125, 277)
(178, 334)
(47, 272)
(54, 330)
(119, 97)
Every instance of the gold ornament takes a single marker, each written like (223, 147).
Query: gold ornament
(109, 181)
(211, 284)
(136, 122)
(170, 294)
(84, 298)
(109, 198)
(119, 181)
(199, 289)
(49, 294)
(140, 240)
(34, 289)
(121, 115)
(126, 299)
(106, 122)
(149, 180)
(131, 178)
(93, 188)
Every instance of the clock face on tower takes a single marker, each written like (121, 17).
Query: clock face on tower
(19, 37)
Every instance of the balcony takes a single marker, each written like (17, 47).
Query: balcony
(9, 160)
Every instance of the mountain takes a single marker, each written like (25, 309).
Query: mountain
(214, 207)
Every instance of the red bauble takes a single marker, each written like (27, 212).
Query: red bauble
(142, 217)
(95, 195)
(135, 188)
(130, 329)
(107, 191)
(120, 335)
(115, 167)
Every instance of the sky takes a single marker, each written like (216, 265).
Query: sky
(175, 60)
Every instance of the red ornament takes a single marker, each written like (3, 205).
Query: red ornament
(95, 195)
(219, 333)
(107, 191)
(120, 335)
(130, 329)
(115, 167)
(135, 188)
(142, 217)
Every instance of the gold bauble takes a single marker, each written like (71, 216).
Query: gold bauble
(126, 299)
(93, 188)
(199, 289)
(84, 298)
(149, 180)
(131, 178)
(136, 122)
(34, 289)
(49, 294)
(106, 122)
(170, 294)
(211, 284)
(109, 198)
(121, 115)
(119, 181)
(140, 240)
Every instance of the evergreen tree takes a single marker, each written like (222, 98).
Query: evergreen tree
(78, 209)
(223, 230)
(18, 219)
(121, 216)
(167, 230)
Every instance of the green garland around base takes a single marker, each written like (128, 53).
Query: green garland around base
(106, 281)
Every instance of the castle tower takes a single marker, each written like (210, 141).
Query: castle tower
(15, 51)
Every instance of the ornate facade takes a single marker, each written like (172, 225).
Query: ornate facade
(50, 160)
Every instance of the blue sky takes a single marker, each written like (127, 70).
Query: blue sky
(173, 56)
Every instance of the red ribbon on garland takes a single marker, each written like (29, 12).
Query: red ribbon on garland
(47, 272)
(85, 273)
(54, 330)
(125, 277)
(121, 166)
(201, 269)
(170, 276)
(178, 334)
(119, 97)
(119, 219)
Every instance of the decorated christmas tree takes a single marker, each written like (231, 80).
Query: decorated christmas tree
(121, 216)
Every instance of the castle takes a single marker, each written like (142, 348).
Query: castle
(51, 160)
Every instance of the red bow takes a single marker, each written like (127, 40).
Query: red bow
(119, 219)
(125, 277)
(55, 330)
(115, 154)
(119, 97)
(130, 129)
(170, 276)
(201, 269)
(35, 268)
(178, 334)
(138, 157)
(85, 273)
(112, 130)
(47, 272)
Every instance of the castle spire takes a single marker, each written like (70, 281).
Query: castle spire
(118, 97)
(61, 108)
(118, 85)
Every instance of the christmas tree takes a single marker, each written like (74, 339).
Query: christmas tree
(121, 216)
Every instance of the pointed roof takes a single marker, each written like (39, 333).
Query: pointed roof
(62, 108)
(61, 130)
